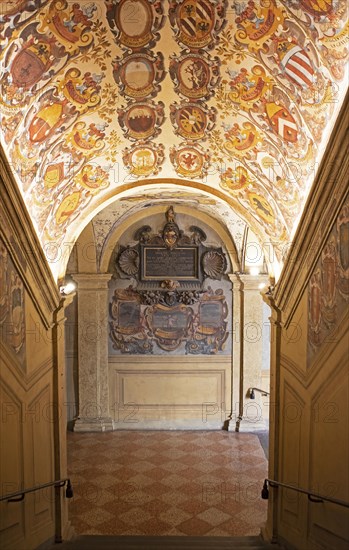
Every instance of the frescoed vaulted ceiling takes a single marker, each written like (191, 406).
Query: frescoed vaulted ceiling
(234, 101)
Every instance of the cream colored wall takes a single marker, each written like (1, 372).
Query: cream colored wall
(163, 391)
(167, 393)
(32, 448)
(309, 402)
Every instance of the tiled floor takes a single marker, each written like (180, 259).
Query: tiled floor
(166, 483)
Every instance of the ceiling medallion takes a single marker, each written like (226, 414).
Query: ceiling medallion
(141, 120)
(192, 120)
(135, 22)
(195, 76)
(143, 159)
(190, 161)
(138, 75)
(198, 21)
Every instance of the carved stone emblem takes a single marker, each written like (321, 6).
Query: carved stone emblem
(128, 261)
(214, 264)
(171, 231)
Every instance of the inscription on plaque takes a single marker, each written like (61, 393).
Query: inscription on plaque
(162, 263)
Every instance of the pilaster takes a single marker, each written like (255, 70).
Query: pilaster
(93, 353)
(63, 526)
(269, 531)
(247, 348)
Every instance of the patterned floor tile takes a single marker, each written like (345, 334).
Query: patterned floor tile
(167, 483)
(194, 525)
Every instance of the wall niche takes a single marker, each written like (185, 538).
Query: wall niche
(170, 293)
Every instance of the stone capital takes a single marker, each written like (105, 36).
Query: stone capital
(92, 281)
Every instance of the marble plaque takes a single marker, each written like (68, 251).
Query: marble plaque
(179, 263)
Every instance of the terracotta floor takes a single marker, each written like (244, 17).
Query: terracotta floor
(167, 483)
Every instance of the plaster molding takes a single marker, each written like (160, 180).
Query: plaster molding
(92, 281)
(116, 234)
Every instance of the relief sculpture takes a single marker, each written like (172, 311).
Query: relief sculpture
(169, 307)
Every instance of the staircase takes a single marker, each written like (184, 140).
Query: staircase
(95, 542)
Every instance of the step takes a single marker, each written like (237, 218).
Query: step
(99, 542)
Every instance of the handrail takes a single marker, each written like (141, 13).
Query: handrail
(252, 390)
(21, 494)
(313, 497)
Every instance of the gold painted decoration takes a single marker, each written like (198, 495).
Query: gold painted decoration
(194, 75)
(135, 23)
(262, 207)
(67, 207)
(317, 7)
(190, 161)
(54, 174)
(138, 75)
(241, 140)
(93, 178)
(197, 22)
(192, 120)
(46, 121)
(84, 139)
(282, 122)
(70, 23)
(257, 22)
(143, 159)
(248, 87)
(12, 7)
(82, 90)
(237, 179)
(141, 120)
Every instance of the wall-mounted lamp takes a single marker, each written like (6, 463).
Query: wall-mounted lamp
(252, 394)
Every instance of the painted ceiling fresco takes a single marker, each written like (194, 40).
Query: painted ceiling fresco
(235, 99)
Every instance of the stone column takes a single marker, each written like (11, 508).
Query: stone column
(269, 531)
(93, 305)
(247, 349)
(63, 527)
